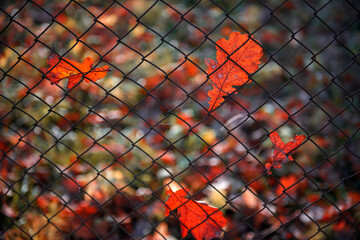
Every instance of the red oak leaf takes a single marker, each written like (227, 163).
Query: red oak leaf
(203, 221)
(282, 150)
(236, 58)
(64, 68)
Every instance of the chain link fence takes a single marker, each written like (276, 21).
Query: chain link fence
(96, 161)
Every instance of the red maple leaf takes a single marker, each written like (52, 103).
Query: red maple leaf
(203, 221)
(236, 58)
(65, 68)
(282, 150)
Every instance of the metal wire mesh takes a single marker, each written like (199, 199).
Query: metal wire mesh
(94, 162)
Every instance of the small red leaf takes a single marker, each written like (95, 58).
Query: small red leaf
(236, 58)
(203, 221)
(65, 68)
(282, 150)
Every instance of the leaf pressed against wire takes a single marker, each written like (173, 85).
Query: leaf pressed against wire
(282, 150)
(203, 221)
(236, 58)
(65, 68)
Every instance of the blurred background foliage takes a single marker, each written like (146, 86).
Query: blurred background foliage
(93, 162)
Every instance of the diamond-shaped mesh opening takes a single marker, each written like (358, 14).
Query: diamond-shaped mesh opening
(303, 12)
(341, 20)
(144, 150)
(84, 18)
(133, 48)
(342, 37)
(333, 51)
(293, 49)
(21, 118)
(94, 39)
(348, 86)
(309, 109)
(31, 16)
(16, 37)
(162, 17)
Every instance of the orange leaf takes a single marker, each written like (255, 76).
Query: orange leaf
(282, 150)
(64, 68)
(203, 221)
(236, 58)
